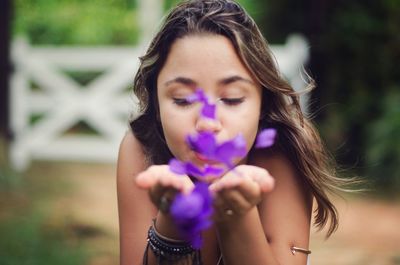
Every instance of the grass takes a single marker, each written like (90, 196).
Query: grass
(26, 241)
(29, 235)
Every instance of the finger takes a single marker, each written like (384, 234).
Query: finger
(228, 181)
(245, 185)
(168, 186)
(260, 175)
(144, 180)
(235, 201)
(162, 175)
(264, 180)
(250, 190)
(150, 176)
(220, 208)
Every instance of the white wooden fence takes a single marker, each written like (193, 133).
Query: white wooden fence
(104, 103)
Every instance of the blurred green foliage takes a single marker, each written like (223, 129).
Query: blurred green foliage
(355, 51)
(28, 235)
(9, 180)
(82, 22)
(354, 46)
(26, 241)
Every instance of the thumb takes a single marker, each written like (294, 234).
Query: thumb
(144, 180)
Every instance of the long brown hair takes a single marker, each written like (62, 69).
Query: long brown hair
(298, 139)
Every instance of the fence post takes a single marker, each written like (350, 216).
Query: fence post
(150, 12)
(5, 66)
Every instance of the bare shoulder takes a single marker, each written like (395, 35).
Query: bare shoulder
(286, 211)
(131, 161)
(134, 206)
(131, 156)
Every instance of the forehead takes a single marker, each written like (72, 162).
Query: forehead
(203, 55)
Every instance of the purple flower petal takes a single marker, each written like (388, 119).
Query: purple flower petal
(187, 206)
(193, 170)
(203, 143)
(208, 110)
(177, 166)
(266, 138)
(225, 152)
(230, 150)
(192, 213)
(212, 171)
(197, 96)
(240, 145)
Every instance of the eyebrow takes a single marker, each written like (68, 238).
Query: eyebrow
(182, 80)
(224, 81)
(235, 78)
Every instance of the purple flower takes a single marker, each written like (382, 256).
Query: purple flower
(230, 150)
(188, 168)
(197, 96)
(182, 168)
(177, 166)
(208, 110)
(212, 171)
(266, 138)
(205, 144)
(191, 213)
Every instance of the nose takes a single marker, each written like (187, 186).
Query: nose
(208, 125)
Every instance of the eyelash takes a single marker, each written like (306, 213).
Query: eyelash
(232, 101)
(182, 102)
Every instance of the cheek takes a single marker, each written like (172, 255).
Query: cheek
(175, 129)
(251, 133)
(247, 124)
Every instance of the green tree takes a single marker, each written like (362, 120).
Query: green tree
(355, 49)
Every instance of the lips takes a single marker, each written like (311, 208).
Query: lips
(204, 159)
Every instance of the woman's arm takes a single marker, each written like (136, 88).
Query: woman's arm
(136, 180)
(286, 212)
(134, 206)
(265, 234)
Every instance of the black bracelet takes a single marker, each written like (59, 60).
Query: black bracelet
(170, 250)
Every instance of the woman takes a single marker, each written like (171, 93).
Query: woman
(262, 216)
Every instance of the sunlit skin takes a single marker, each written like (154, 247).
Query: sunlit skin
(211, 63)
(271, 212)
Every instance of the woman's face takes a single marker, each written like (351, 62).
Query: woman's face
(208, 62)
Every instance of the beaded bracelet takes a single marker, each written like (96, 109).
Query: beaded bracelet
(167, 249)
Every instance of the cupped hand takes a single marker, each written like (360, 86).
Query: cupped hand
(162, 183)
(239, 190)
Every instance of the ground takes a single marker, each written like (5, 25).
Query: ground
(369, 231)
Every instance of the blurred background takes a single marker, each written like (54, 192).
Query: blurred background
(66, 71)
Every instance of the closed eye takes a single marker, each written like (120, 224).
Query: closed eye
(232, 101)
(183, 102)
